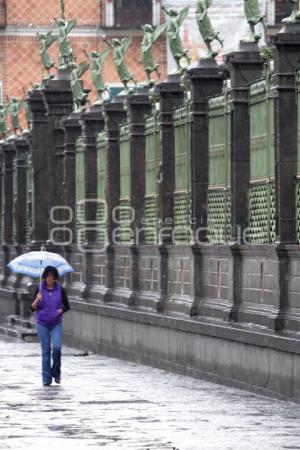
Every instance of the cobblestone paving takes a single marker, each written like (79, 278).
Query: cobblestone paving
(115, 405)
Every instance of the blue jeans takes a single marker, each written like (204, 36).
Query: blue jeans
(50, 337)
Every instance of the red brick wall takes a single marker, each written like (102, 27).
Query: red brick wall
(20, 64)
(42, 12)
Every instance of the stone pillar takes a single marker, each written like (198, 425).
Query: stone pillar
(93, 123)
(286, 61)
(115, 114)
(245, 65)
(73, 129)
(59, 101)
(22, 147)
(40, 169)
(9, 154)
(170, 97)
(139, 106)
(205, 79)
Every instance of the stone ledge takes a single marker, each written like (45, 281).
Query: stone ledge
(258, 336)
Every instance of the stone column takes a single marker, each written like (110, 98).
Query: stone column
(22, 147)
(245, 65)
(115, 114)
(59, 100)
(93, 123)
(40, 169)
(139, 106)
(9, 154)
(170, 97)
(286, 61)
(205, 79)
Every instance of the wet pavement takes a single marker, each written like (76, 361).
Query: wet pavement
(116, 405)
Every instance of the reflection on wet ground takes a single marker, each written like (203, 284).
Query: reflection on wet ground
(105, 402)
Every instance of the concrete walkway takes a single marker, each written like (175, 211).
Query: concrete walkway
(104, 402)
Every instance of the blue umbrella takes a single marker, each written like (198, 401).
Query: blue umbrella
(34, 263)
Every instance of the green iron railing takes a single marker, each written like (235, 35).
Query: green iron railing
(80, 191)
(150, 220)
(182, 195)
(125, 215)
(219, 191)
(101, 214)
(262, 164)
(29, 182)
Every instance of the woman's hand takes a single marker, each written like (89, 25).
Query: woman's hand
(60, 311)
(36, 301)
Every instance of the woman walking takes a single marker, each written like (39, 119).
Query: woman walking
(50, 303)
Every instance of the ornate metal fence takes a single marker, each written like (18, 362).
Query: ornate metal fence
(80, 191)
(219, 203)
(262, 164)
(182, 194)
(152, 173)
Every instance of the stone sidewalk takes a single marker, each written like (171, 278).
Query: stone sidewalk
(105, 402)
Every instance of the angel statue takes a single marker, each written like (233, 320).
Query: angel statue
(205, 27)
(295, 15)
(46, 40)
(97, 60)
(65, 27)
(151, 35)
(13, 109)
(3, 126)
(254, 16)
(79, 96)
(173, 34)
(120, 47)
(25, 105)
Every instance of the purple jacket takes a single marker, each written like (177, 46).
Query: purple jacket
(47, 311)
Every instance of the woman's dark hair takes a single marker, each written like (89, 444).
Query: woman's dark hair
(50, 269)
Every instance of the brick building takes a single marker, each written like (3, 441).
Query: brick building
(21, 20)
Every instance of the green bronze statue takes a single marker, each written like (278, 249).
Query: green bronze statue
(46, 40)
(13, 109)
(120, 47)
(25, 105)
(173, 34)
(79, 96)
(253, 16)
(151, 35)
(205, 27)
(295, 15)
(3, 126)
(97, 61)
(65, 27)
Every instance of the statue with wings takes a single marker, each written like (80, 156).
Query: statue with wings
(151, 35)
(79, 96)
(205, 27)
(173, 34)
(254, 16)
(46, 40)
(295, 15)
(24, 104)
(97, 61)
(3, 126)
(120, 47)
(13, 110)
(65, 27)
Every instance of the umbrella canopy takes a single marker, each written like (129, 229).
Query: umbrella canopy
(34, 263)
